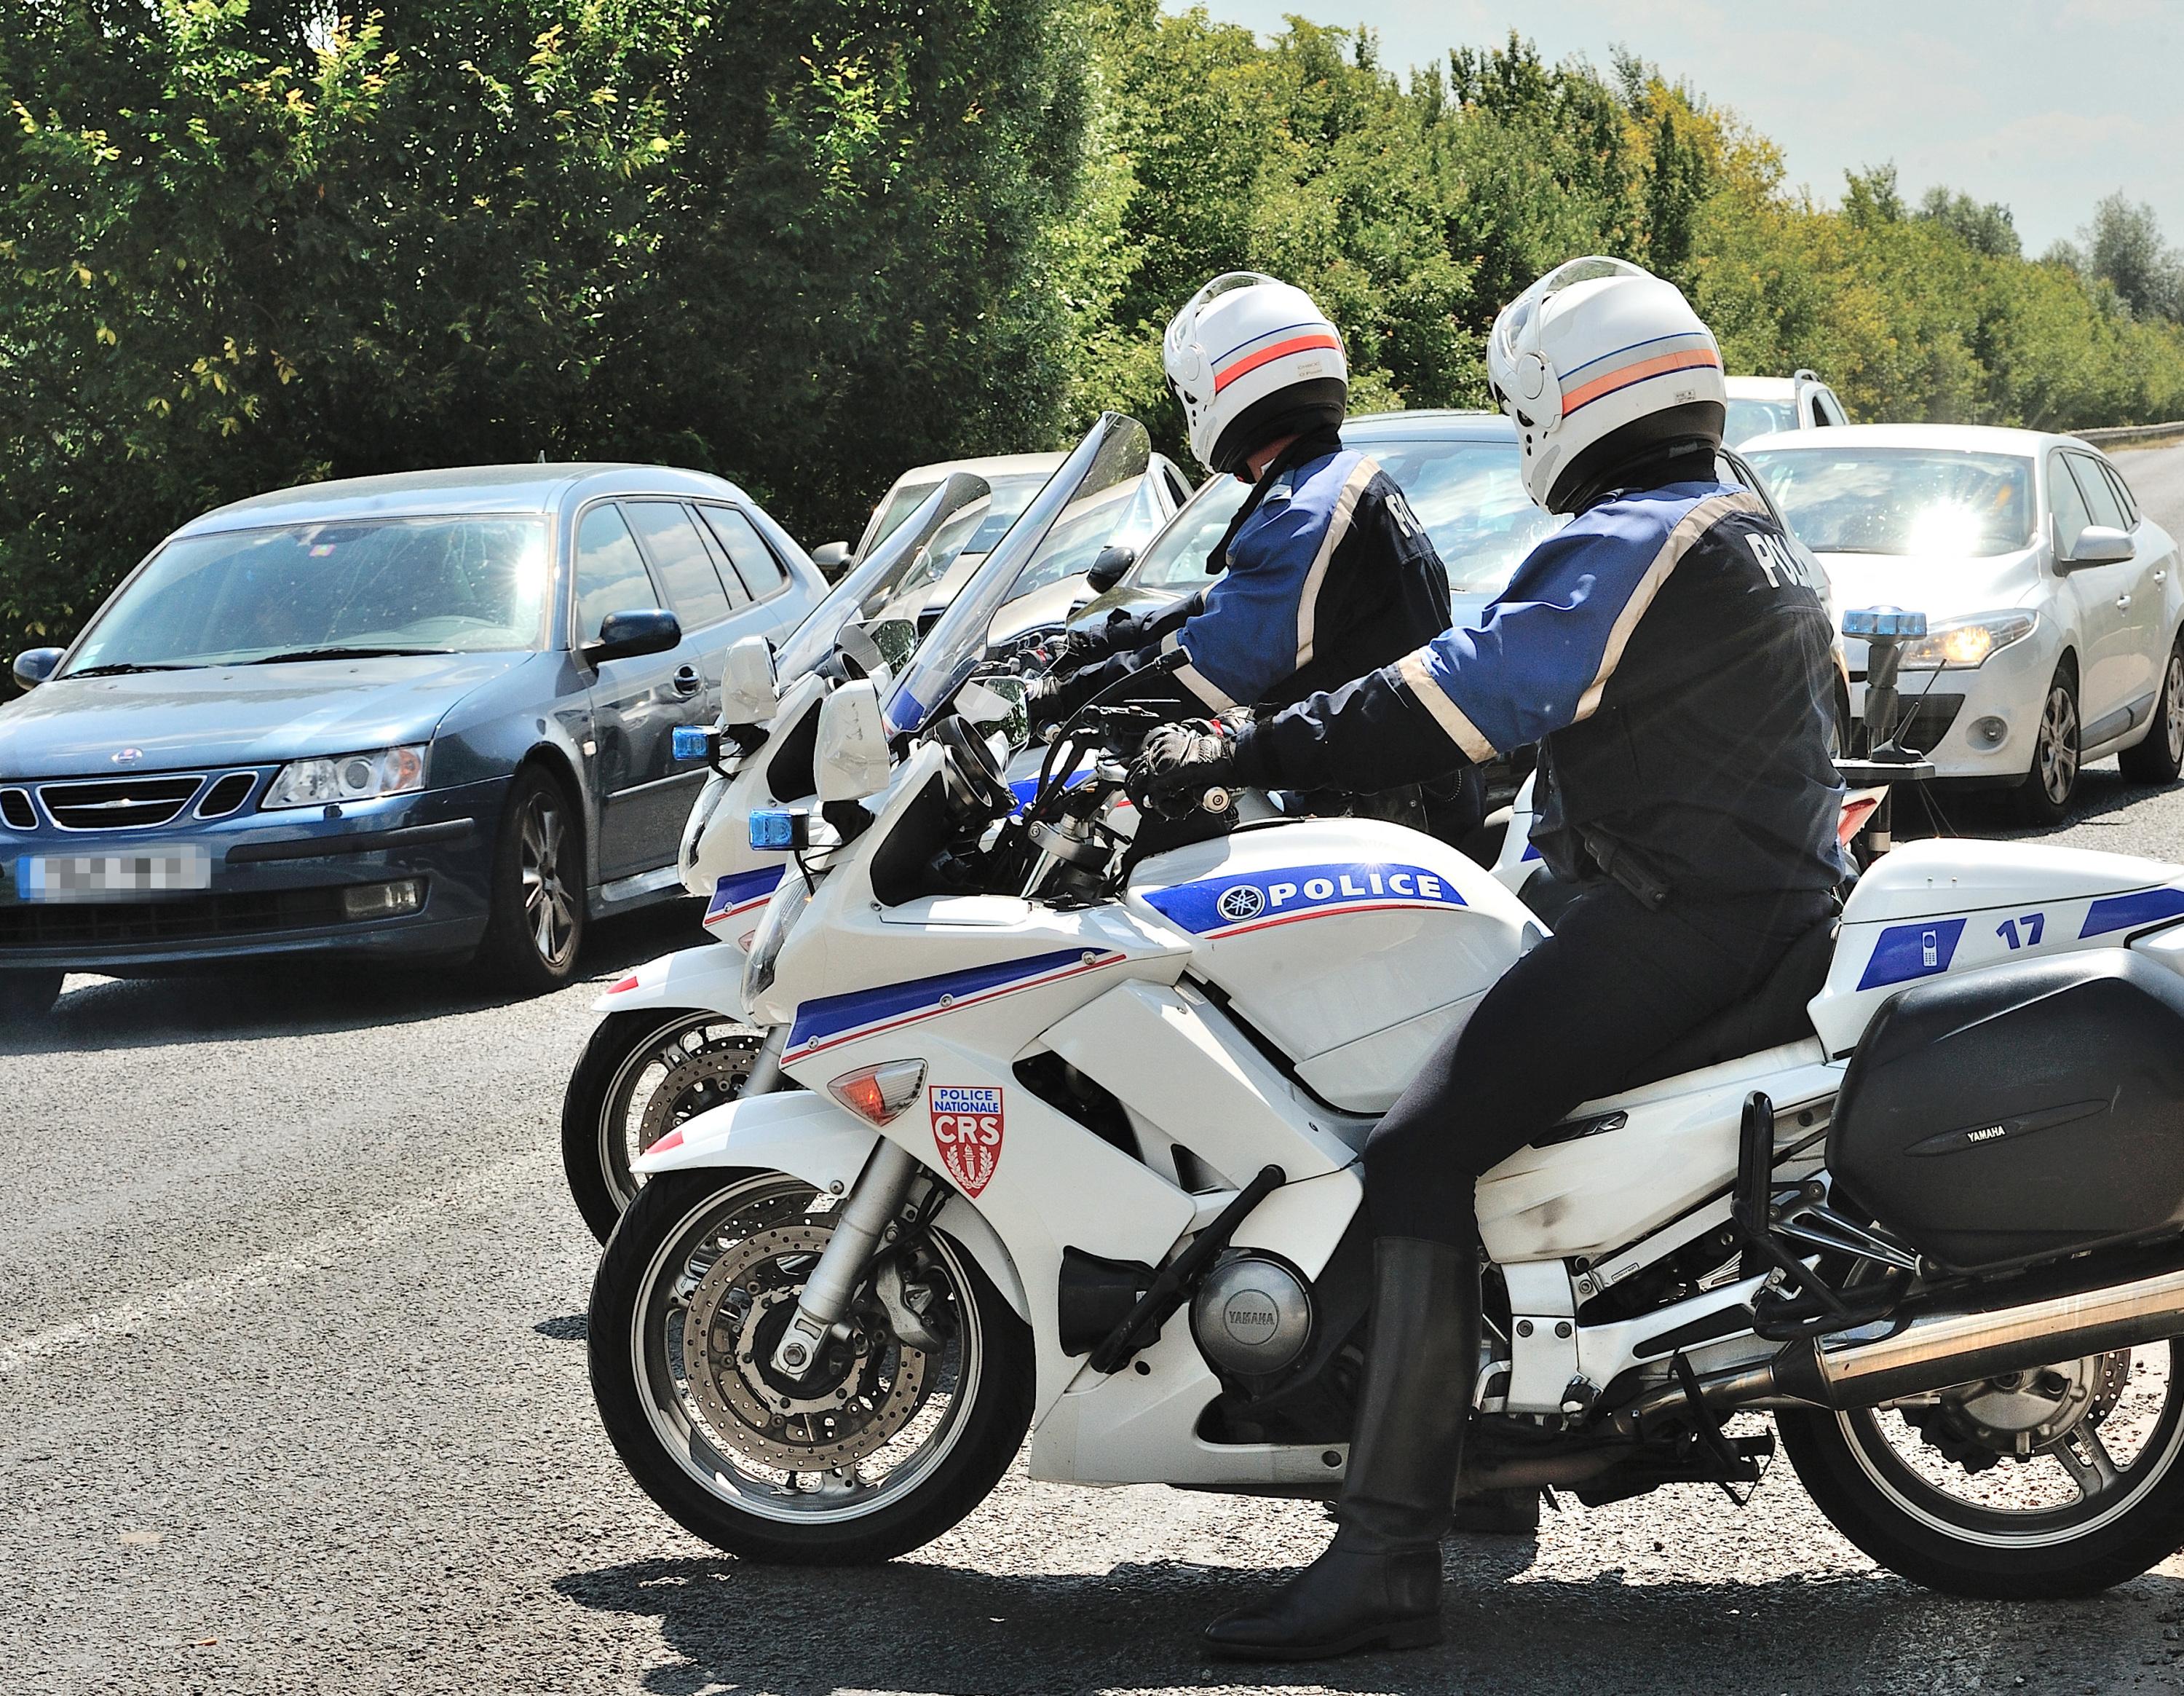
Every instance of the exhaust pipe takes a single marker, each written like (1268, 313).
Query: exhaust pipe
(1927, 1351)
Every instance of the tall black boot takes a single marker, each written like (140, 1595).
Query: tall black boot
(1378, 1584)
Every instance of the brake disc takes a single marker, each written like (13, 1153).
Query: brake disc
(858, 1395)
(2019, 1414)
(703, 1077)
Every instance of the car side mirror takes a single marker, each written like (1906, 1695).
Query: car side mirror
(1108, 568)
(2097, 545)
(623, 635)
(851, 758)
(33, 666)
(748, 696)
(832, 559)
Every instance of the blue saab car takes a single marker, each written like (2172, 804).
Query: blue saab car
(429, 714)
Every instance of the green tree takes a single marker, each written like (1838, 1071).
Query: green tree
(242, 245)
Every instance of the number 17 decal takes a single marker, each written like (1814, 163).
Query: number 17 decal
(2034, 924)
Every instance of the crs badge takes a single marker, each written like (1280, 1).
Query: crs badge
(967, 1130)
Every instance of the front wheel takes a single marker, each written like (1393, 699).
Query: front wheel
(2045, 795)
(888, 1442)
(2054, 1483)
(642, 1075)
(536, 924)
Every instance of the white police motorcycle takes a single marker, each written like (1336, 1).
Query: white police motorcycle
(1075, 1154)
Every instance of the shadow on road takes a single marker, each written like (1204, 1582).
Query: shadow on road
(906, 1625)
(256, 999)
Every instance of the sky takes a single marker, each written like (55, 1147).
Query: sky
(2045, 105)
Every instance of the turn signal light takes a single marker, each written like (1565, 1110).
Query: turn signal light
(878, 1094)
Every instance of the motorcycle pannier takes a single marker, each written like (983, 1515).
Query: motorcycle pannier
(2019, 1114)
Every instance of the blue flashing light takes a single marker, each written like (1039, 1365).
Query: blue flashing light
(776, 832)
(692, 741)
(1885, 622)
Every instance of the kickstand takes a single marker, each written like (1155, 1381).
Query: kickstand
(1717, 1440)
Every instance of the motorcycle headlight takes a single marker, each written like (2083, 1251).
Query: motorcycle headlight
(1966, 643)
(788, 906)
(346, 777)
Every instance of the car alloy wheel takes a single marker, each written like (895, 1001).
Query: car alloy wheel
(549, 908)
(2056, 762)
(2172, 707)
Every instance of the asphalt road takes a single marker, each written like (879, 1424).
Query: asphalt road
(293, 1398)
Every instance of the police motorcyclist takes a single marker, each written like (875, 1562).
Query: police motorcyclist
(1324, 572)
(1672, 657)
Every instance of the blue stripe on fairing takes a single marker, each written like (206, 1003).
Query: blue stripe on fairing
(1906, 951)
(2128, 913)
(829, 1014)
(1025, 789)
(1531, 852)
(739, 887)
(1215, 903)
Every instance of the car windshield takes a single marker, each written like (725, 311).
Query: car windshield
(1121, 516)
(1469, 496)
(1748, 419)
(405, 585)
(1901, 500)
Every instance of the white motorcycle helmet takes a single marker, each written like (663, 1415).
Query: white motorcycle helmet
(1252, 359)
(1597, 361)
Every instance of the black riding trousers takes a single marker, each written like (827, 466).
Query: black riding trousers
(1573, 1020)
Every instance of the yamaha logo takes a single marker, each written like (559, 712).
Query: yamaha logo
(1251, 1317)
(1241, 901)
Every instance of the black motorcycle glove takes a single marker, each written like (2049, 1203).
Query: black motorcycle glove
(1076, 649)
(1178, 763)
(1055, 698)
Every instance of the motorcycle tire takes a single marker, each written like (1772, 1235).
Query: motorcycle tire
(641, 1383)
(1962, 1548)
(595, 1134)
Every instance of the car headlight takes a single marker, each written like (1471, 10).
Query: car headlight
(788, 906)
(1964, 643)
(346, 777)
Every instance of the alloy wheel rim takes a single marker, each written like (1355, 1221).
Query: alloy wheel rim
(2172, 701)
(549, 910)
(926, 1410)
(2058, 745)
(2059, 1492)
(626, 1129)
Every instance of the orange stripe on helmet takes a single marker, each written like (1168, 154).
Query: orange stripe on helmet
(1661, 364)
(1296, 344)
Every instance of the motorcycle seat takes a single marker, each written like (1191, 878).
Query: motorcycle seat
(1772, 1015)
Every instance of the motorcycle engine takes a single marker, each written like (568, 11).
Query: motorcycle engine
(1252, 1313)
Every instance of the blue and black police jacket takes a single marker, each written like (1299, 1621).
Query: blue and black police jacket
(1671, 654)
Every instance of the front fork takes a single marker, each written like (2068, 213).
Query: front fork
(867, 1221)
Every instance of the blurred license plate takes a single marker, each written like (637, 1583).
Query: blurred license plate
(112, 877)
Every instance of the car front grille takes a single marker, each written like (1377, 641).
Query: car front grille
(102, 923)
(118, 803)
(16, 809)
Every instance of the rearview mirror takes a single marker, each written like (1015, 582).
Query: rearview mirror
(2097, 545)
(624, 635)
(747, 691)
(851, 758)
(832, 559)
(1108, 568)
(998, 704)
(33, 666)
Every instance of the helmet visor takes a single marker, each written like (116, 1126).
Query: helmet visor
(1519, 317)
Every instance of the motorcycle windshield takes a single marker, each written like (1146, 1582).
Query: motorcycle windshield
(1116, 449)
(874, 581)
